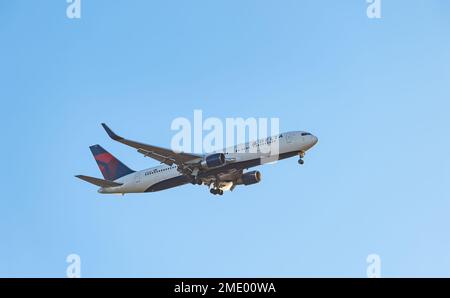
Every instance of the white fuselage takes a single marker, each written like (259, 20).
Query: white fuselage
(142, 181)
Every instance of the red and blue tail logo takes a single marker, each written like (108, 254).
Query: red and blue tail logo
(111, 167)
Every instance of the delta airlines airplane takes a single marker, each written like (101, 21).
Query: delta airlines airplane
(220, 171)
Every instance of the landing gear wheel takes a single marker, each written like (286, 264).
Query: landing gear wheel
(196, 181)
(301, 154)
(301, 161)
(215, 191)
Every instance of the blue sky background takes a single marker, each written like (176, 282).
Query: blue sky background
(375, 92)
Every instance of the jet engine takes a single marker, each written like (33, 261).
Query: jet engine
(213, 161)
(249, 178)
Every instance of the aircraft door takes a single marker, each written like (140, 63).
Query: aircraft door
(288, 138)
(137, 177)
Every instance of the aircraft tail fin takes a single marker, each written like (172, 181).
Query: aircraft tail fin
(98, 182)
(111, 167)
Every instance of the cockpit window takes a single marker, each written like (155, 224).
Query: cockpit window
(306, 134)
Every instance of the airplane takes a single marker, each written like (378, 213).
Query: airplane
(220, 171)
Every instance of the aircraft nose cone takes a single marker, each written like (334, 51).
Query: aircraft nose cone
(314, 140)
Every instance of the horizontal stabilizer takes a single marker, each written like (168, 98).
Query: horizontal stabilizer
(98, 182)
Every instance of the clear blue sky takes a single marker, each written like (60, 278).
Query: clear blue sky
(375, 92)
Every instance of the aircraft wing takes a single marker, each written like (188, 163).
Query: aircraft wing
(163, 155)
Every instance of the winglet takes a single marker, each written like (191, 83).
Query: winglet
(110, 133)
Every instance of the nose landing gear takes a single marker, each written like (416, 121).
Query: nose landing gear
(301, 154)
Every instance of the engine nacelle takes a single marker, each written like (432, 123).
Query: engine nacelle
(250, 178)
(213, 161)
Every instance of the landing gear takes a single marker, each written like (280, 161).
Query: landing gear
(215, 191)
(197, 181)
(214, 187)
(302, 155)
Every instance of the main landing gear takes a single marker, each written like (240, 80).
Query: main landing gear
(216, 191)
(301, 154)
(215, 187)
(197, 182)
